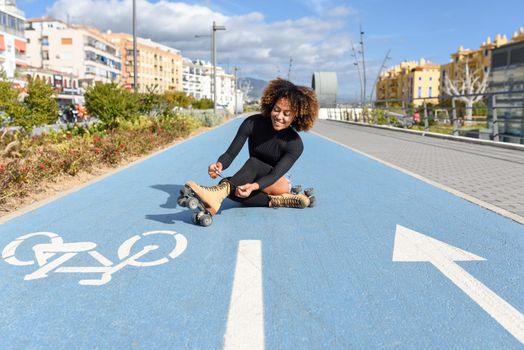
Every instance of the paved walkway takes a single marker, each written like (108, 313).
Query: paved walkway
(118, 264)
(493, 175)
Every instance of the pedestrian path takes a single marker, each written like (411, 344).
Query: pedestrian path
(383, 261)
(490, 174)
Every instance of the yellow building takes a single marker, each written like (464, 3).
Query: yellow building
(411, 82)
(478, 61)
(159, 67)
(391, 84)
(424, 83)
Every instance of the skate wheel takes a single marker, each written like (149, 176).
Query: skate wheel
(194, 218)
(206, 220)
(312, 201)
(181, 201)
(192, 203)
(296, 189)
(309, 191)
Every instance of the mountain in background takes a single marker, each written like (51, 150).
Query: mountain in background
(252, 87)
(255, 87)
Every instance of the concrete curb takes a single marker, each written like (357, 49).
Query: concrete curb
(506, 145)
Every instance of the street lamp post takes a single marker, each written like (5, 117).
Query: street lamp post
(363, 63)
(235, 91)
(135, 78)
(214, 29)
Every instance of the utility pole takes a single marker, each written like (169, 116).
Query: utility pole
(363, 63)
(213, 30)
(135, 66)
(354, 54)
(236, 69)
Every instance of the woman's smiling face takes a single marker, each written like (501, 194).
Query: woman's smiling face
(282, 115)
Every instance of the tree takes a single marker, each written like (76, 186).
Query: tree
(40, 103)
(11, 110)
(468, 84)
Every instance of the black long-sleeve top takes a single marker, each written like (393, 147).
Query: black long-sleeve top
(280, 149)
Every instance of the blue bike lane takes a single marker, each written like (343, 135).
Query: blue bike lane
(340, 275)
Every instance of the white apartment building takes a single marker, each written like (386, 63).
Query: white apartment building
(196, 78)
(75, 50)
(197, 82)
(12, 41)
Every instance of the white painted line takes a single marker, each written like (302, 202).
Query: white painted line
(412, 246)
(462, 195)
(245, 323)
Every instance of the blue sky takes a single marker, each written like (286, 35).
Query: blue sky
(263, 34)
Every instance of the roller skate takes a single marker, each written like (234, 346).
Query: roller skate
(309, 192)
(294, 199)
(206, 199)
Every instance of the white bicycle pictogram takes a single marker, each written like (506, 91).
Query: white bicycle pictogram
(44, 252)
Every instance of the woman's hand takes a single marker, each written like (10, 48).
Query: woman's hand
(214, 170)
(244, 191)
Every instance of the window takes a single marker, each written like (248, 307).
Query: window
(517, 56)
(430, 92)
(430, 79)
(419, 92)
(419, 78)
(499, 59)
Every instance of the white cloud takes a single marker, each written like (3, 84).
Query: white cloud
(341, 11)
(258, 47)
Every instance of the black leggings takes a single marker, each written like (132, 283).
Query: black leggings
(251, 171)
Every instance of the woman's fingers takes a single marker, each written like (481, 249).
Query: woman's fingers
(214, 170)
(243, 191)
(218, 168)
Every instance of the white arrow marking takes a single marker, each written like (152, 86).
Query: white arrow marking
(411, 246)
(245, 323)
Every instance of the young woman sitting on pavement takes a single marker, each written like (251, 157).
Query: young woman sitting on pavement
(274, 146)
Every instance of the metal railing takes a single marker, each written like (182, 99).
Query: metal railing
(498, 116)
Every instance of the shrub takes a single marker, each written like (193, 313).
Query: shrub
(207, 118)
(13, 112)
(480, 109)
(152, 103)
(111, 104)
(178, 99)
(204, 103)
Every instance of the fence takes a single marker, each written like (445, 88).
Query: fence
(497, 116)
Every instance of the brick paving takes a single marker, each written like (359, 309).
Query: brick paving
(491, 174)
